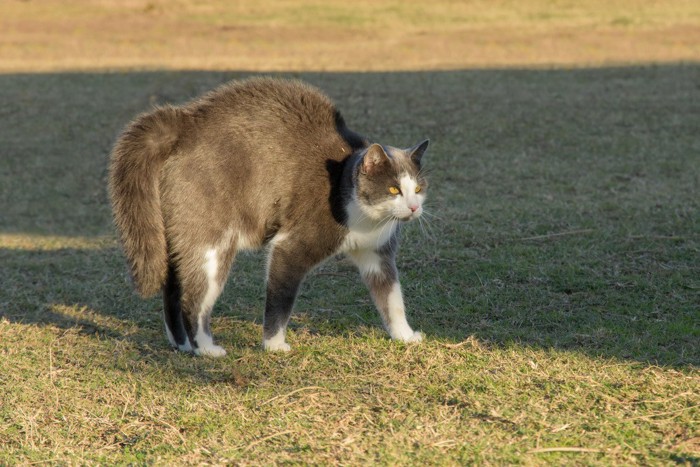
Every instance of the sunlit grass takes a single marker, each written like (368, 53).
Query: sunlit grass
(34, 242)
(314, 35)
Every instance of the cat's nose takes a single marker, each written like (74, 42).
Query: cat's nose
(413, 207)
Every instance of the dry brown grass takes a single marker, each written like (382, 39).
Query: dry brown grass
(83, 397)
(337, 35)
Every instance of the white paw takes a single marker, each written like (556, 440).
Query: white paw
(210, 351)
(276, 346)
(411, 336)
(417, 336)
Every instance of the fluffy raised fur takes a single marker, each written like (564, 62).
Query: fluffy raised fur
(258, 163)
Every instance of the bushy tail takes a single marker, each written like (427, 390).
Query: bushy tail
(136, 162)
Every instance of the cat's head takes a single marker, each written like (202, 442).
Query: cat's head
(390, 184)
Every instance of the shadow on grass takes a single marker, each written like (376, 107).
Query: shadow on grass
(566, 206)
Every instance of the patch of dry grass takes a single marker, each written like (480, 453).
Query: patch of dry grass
(78, 397)
(341, 36)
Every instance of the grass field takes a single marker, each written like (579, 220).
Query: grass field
(558, 283)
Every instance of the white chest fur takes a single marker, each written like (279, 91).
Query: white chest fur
(370, 239)
(366, 233)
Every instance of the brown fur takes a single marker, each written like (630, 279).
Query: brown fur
(159, 151)
(136, 161)
(254, 162)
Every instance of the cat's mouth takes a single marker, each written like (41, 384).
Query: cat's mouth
(409, 218)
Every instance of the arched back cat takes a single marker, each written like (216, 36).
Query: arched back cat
(258, 163)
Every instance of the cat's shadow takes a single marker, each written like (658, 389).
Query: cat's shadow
(498, 133)
(89, 291)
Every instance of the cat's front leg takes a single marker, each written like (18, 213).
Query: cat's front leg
(378, 271)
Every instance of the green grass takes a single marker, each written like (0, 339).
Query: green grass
(557, 283)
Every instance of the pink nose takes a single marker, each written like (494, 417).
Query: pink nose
(413, 208)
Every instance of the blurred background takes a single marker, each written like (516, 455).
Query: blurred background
(333, 35)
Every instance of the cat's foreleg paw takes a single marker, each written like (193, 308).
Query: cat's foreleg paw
(413, 337)
(402, 332)
(417, 336)
(409, 336)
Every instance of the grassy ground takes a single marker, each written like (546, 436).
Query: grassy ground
(558, 284)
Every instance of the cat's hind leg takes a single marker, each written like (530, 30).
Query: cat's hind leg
(288, 263)
(172, 312)
(201, 281)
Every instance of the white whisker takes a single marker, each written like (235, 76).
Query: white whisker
(432, 215)
(426, 229)
(390, 223)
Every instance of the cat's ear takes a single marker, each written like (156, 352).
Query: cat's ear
(375, 157)
(417, 151)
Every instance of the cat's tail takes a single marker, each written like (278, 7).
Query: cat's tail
(135, 166)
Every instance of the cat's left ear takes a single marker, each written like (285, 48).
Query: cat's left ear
(417, 151)
(374, 158)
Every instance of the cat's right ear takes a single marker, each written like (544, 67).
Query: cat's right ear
(375, 157)
(418, 150)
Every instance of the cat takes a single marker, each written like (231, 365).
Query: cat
(262, 162)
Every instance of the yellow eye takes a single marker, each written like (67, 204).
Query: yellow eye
(394, 191)
(418, 189)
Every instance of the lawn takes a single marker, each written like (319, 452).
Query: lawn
(557, 280)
